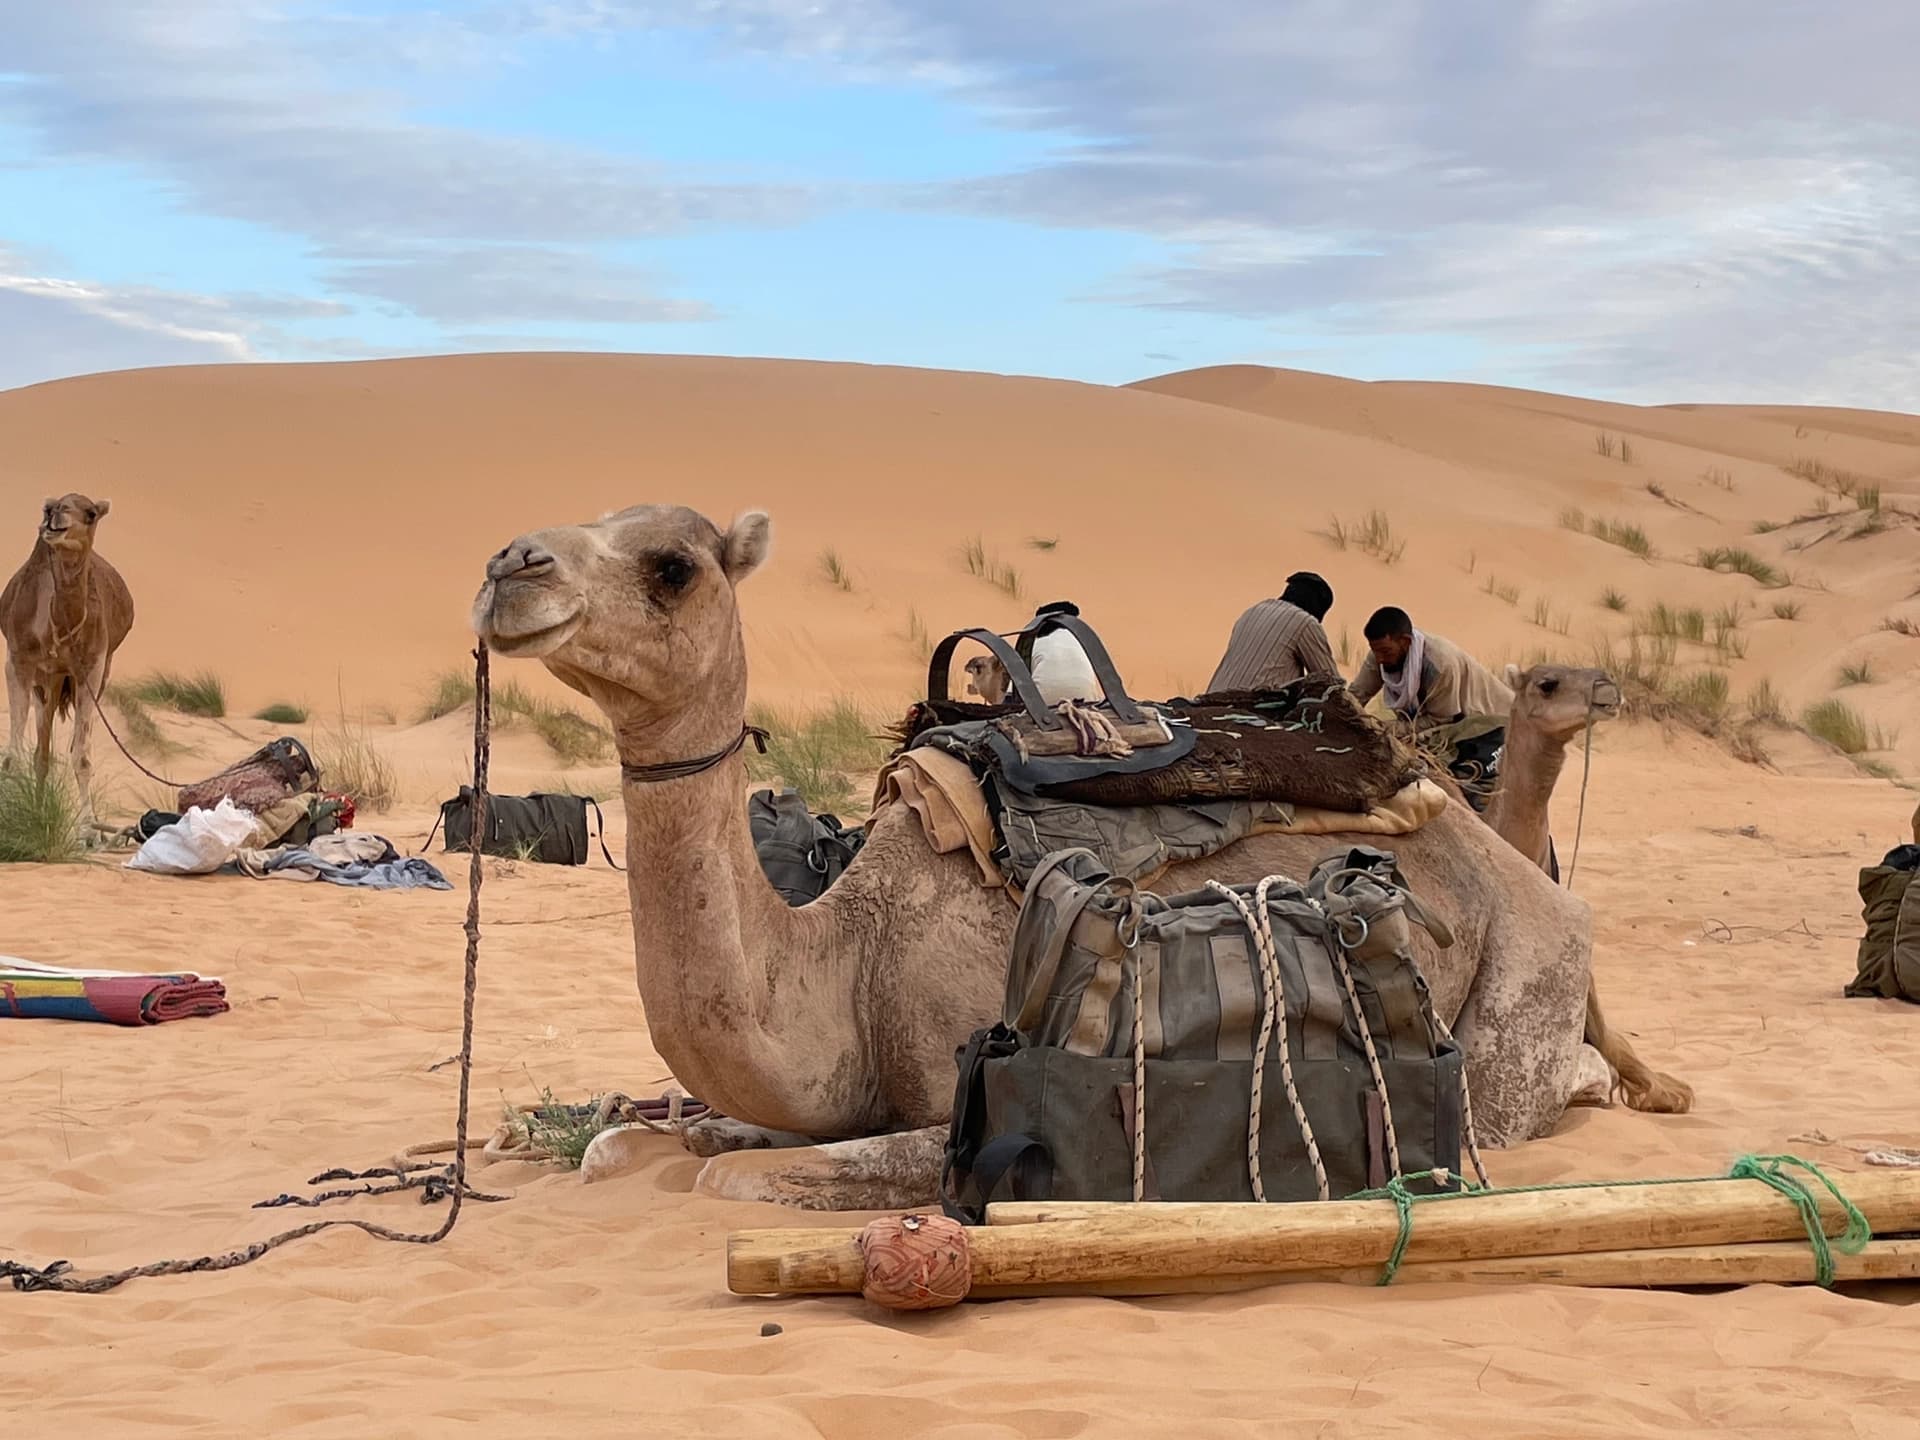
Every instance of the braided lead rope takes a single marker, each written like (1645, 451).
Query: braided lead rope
(1139, 1073)
(1273, 1011)
(1339, 952)
(1466, 1108)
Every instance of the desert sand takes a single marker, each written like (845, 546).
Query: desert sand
(315, 533)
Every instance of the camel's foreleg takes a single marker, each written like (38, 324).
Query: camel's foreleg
(83, 712)
(43, 734)
(19, 707)
(878, 1172)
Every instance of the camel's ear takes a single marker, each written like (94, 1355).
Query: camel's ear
(1513, 677)
(100, 508)
(747, 544)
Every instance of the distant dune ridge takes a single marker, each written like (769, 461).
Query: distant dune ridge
(313, 532)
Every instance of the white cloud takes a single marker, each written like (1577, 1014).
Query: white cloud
(1655, 197)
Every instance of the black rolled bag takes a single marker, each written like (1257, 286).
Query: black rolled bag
(1046, 1107)
(801, 853)
(544, 827)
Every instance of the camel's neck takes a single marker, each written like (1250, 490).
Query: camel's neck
(1529, 770)
(72, 582)
(739, 989)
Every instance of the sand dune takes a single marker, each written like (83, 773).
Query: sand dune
(314, 533)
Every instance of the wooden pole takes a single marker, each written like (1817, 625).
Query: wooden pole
(1160, 1242)
(1777, 1263)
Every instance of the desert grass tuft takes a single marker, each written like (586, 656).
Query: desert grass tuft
(1840, 725)
(835, 569)
(1509, 594)
(1372, 535)
(1733, 560)
(1786, 609)
(1857, 672)
(351, 764)
(819, 752)
(281, 713)
(1044, 542)
(1612, 599)
(919, 640)
(1672, 622)
(39, 819)
(1627, 536)
(1765, 705)
(1901, 625)
(200, 694)
(984, 565)
(1705, 692)
(1718, 476)
(1841, 482)
(448, 691)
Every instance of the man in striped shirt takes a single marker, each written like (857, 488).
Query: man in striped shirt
(1277, 641)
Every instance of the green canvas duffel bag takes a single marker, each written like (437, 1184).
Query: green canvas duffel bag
(1285, 1052)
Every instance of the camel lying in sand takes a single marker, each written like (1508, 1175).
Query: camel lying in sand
(63, 614)
(840, 1018)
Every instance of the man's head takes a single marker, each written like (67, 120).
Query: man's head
(1308, 591)
(1390, 636)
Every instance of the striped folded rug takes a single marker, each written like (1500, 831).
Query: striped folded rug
(32, 991)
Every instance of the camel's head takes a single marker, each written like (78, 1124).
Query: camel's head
(1557, 700)
(988, 679)
(635, 610)
(68, 523)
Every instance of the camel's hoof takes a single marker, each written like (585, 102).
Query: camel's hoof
(614, 1152)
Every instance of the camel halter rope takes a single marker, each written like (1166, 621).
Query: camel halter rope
(59, 1274)
(1586, 770)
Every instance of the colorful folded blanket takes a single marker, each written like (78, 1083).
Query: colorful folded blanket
(31, 991)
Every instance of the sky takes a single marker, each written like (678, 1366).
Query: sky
(1647, 200)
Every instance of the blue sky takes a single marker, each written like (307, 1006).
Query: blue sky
(1711, 201)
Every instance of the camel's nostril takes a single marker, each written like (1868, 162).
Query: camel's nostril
(518, 558)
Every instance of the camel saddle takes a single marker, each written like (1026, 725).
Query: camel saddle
(1306, 743)
(271, 774)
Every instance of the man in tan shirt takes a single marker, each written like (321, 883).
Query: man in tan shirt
(1426, 678)
(1279, 640)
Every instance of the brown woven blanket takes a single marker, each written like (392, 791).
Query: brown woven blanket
(1307, 743)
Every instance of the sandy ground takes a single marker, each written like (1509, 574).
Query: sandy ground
(602, 1310)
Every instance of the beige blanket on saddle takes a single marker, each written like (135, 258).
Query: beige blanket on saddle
(941, 790)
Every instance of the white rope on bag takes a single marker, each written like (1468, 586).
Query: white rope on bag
(1339, 950)
(1273, 1007)
(1466, 1108)
(1139, 1066)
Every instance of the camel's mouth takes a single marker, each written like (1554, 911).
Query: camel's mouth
(530, 644)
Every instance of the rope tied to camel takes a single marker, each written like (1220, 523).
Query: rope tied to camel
(58, 1275)
(1769, 1170)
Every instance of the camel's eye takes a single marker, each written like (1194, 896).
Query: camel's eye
(92, 515)
(673, 572)
(1547, 687)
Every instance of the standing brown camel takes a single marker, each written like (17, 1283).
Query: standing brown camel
(63, 614)
(1552, 706)
(840, 1018)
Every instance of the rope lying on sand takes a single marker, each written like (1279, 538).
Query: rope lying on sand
(59, 1274)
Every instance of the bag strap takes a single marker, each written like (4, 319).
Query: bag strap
(1033, 1001)
(428, 845)
(1103, 668)
(940, 667)
(600, 832)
